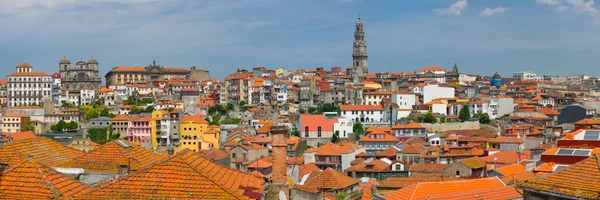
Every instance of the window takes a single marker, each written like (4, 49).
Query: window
(457, 173)
(319, 131)
(306, 131)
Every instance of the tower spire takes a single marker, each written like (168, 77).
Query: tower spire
(359, 52)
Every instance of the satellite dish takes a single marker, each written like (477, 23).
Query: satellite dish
(282, 195)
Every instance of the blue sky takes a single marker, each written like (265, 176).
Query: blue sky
(482, 36)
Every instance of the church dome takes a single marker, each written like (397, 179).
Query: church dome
(24, 65)
(65, 60)
(92, 61)
(496, 76)
(479, 78)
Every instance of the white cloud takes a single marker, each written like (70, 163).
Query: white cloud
(492, 11)
(455, 9)
(549, 2)
(584, 6)
(562, 8)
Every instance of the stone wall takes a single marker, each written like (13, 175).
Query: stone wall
(443, 127)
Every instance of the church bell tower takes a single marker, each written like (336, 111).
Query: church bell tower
(359, 51)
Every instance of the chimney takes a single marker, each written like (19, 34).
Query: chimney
(279, 152)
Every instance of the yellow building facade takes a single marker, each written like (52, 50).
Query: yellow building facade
(196, 134)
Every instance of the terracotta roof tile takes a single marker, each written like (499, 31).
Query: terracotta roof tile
(413, 149)
(473, 162)
(389, 152)
(424, 189)
(427, 168)
(307, 169)
(431, 68)
(334, 149)
(32, 180)
(579, 180)
(45, 151)
(186, 175)
(487, 194)
(505, 139)
(511, 169)
(587, 121)
(517, 178)
(260, 164)
(108, 158)
(328, 179)
(400, 182)
(378, 137)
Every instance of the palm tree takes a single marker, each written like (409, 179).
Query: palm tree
(391, 106)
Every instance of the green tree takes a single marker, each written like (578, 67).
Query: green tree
(91, 114)
(54, 128)
(67, 105)
(105, 113)
(242, 102)
(28, 125)
(97, 135)
(358, 130)
(72, 125)
(215, 120)
(130, 101)
(229, 106)
(335, 138)
(464, 113)
(312, 110)
(61, 125)
(301, 111)
(170, 109)
(295, 133)
(135, 110)
(442, 119)
(429, 118)
(484, 118)
(149, 109)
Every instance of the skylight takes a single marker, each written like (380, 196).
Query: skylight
(574, 152)
(591, 135)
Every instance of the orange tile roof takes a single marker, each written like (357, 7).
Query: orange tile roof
(29, 74)
(119, 68)
(424, 189)
(400, 182)
(504, 139)
(186, 175)
(386, 137)
(389, 152)
(19, 135)
(503, 157)
(307, 169)
(517, 178)
(260, 164)
(108, 158)
(587, 121)
(548, 111)
(121, 117)
(328, 179)
(431, 68)
(32, 180)
(502, 193)
(360, 107)
(196, 119)
(511, 169)
(579, 180)
(413, 125)
(473, 162)
(413, 149)
(45, 151)
(375, 165)
(15, 115)
(333, 149)
(427, 167)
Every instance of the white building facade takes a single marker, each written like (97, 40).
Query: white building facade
(25, 87)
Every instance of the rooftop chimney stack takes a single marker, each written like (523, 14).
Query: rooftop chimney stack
(279, 148)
